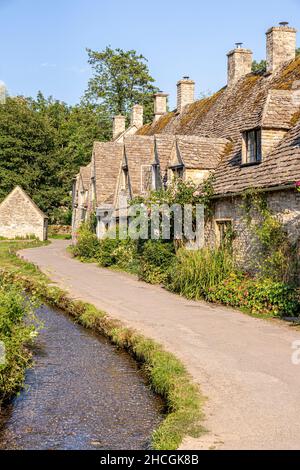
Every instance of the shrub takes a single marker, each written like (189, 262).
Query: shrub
(258, 296)
(196, 272)
(88, 245)
(16, 335)
(156, 258)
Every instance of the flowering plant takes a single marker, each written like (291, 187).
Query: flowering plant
(297, 185)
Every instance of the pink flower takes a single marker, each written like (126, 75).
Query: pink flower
(297, 185)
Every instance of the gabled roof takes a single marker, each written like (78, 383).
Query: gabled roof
(139, 154)
(201, 152)
(279, 109)
(25, 196)
(131, 130)
(280, 168)
(107, 160)
(254, 101)
(85, 175)
(164, 144)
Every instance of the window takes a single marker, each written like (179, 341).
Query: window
(225, 233)
(178, 172)
(252, 147)
(125, 179)
(146, 178)
(156, 183)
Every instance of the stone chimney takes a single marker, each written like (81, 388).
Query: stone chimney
(239, 63)
(137, 118)
(118, 126)
(160, 104)
(281, 45)
(185, 93)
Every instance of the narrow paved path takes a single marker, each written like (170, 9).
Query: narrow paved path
(242, 364)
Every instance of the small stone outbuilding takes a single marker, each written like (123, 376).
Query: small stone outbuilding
(21, 217)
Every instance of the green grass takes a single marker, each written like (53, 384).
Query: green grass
(168, 377)
(57, 236)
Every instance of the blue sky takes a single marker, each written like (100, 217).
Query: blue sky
(43, 42)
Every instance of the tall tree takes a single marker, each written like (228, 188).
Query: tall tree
(121, 79)
(43, 142)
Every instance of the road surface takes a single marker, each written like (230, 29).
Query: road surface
(242, 364)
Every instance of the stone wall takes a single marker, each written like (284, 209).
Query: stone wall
(284, 204)
(270, 138)
(19, 217)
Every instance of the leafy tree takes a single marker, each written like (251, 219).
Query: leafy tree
(297, 51)
(43, 143)
(259, 67)
(121, 79)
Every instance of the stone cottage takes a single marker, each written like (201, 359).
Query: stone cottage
(21, 217)
(247, 134)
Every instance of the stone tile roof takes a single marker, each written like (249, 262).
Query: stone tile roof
(163, 147)
(280, 168)
(201, 152)
(279, 108)
(139, 156)
(252, 102)
(85, 175)
(107, 160)
(19, 190)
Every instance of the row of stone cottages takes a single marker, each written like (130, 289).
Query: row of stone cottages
(247, 134)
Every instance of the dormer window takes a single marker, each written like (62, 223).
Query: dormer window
(251, 147)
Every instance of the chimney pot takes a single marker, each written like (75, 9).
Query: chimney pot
(281, 45)
(185, 93)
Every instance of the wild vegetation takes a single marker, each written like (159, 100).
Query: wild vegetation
(268, 288)
(18, 328)
(167, 376)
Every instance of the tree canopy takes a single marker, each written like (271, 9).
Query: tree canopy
(43, 142)
(121, 79)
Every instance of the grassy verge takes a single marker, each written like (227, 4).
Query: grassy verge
(167, 375)
(16, 335)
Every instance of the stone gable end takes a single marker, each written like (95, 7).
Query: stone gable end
(20, 217)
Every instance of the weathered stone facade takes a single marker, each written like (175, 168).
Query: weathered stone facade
(281, 46)
(160, 105)
(284, 203)
(185, 93)
(239, 64)
(118, 126)
(20, 217)
(212, 136)
(137, 116)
